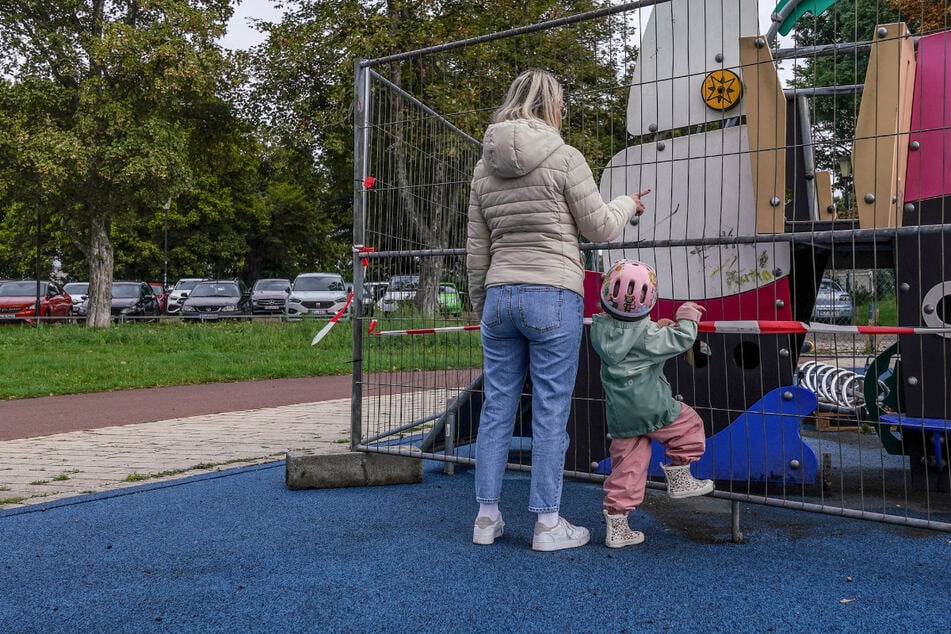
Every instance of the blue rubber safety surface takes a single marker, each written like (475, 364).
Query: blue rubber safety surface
(238, 552)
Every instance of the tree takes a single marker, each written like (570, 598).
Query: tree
(304, 90)
(105, 100)
(834, 117)
(928, 15)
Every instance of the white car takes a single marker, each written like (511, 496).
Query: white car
(79, 293)
(400, 290)
(179, 292)
(316, 294)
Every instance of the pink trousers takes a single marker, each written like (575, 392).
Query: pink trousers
(684, 442)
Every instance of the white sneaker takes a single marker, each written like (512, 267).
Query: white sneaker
(560, 536)
(682, 484)
(619, 533)
(485, 530)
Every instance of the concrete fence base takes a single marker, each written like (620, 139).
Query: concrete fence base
(307, 470)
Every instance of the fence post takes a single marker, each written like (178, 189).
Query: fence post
(736, 531)
(450, 443)
(361, 110)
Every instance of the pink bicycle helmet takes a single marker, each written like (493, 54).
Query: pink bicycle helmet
(629, 290)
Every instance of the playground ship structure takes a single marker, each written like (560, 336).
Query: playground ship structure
(743, 223)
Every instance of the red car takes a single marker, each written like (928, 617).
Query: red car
(159, 289)
(18, 301)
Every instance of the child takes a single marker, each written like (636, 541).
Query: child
(640, 406)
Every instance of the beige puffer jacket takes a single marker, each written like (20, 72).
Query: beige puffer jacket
(532, 194)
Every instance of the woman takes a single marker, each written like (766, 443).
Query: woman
(532, 194)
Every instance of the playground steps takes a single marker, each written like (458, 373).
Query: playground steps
(832, 421)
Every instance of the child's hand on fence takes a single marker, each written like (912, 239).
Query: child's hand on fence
(691, 311)
(664, 322)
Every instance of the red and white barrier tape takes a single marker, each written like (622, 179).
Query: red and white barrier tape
(340, 313)
(757, 327)
(419, 331)
(766, 327)
(330, 324)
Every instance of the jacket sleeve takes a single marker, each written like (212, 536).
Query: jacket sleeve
(669, 341)
(597, 220)
(477, 251)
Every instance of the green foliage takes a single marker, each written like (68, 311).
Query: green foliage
(883, 290)
(305, 91)
(124, 124)
(106, 98)
(128, 113)
(834, 117)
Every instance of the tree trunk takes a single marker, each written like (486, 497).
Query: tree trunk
(100, 273)
(253, 260)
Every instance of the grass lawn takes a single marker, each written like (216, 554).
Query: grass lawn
(887, 313)
(72, 359)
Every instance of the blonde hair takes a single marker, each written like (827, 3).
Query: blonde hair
(535, 94)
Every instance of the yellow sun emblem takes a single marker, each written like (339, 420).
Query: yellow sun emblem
(722, 89)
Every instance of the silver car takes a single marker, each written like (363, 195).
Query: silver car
(79, 292)
(179, 293)
(400, 291)
(269, 296)
(316, 294)
(833, 303)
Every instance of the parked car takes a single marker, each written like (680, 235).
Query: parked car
(179, 292)
(161, 294)
(79, 292)
(449, 299)
(217, 299)
(401, 289)
(269, 296)
(833, 303)
(132, 300)
(18, 301)
(372, 292)
(317, 294)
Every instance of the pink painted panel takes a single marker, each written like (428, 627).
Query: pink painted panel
(929, 168)
(592, 293)
(757, 304)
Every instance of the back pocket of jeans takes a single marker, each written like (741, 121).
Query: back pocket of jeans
(492, 309)
(540, 307)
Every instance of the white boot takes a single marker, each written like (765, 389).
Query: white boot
(619, 534)
(682, 484)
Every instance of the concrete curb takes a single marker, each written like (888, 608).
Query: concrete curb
(308, 470)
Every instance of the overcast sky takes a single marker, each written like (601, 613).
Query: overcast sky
(240, 34)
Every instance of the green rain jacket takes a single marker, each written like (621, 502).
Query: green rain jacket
(633, 353)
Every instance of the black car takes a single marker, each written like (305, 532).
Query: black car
(134, 300)
(268, 296)
(217, 299)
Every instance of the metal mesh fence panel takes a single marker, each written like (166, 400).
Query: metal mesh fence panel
(786, 198)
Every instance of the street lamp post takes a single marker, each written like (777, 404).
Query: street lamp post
(39, 313)
(168, 204)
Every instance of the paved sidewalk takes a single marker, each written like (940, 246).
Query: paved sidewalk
(46, 468)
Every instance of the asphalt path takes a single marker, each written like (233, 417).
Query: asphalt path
(26, 418)
(30, 417)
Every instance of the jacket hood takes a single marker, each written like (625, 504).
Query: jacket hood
(514, 148)
(613, 339)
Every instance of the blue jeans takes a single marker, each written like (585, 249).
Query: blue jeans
(536, 329)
